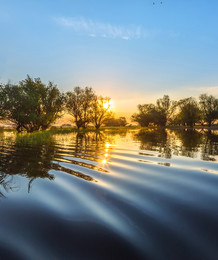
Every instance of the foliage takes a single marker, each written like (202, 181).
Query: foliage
(101, 111)
(52, 102)
(209, 108)
(157, 114)
(186, 112)
(79, 104)
(121, 121)
(86, 107)
(32, 105)
(144, 117)
(2, 102)
(189, 112)
(165, 109)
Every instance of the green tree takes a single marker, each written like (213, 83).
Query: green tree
(189, 112)
(158, 114)
(32, 105)
(144, 116)
(79, 104)
(51, 106)
(209, 108)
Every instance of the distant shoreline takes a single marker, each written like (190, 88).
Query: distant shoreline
(8, 127)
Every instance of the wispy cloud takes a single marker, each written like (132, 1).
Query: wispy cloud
(212, 90)
(104, 30)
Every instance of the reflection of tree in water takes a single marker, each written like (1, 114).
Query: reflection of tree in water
(89, 147)
(92, 144)
(210, 146)
(155, 140)
(36, 160)
(194, 141)
(191, 141)
(25, 160)
(89, 143)
(6, 182)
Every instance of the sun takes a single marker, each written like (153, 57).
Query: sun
(108, 104)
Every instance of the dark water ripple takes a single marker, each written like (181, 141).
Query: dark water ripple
(133, 196)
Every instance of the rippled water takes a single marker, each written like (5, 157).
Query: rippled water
(133, 195)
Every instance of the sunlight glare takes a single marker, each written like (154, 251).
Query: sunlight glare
(108, 104)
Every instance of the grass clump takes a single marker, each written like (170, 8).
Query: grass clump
(45, 137)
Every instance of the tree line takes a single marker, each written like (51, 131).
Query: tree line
(32, 105)
(186, 112)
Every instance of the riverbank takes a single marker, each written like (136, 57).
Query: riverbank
(40, 137)
(62, 129)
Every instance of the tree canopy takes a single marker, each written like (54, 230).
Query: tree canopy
(158, 114)
(79, 104)
(121, 121)
(209, 108)
(185, 112)
(31, 104)
(86, 107)
(189, 112)
(101, 111)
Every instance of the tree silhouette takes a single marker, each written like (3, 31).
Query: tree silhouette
(101, 111)
(189, 112)
(79, 104)
(209, 108)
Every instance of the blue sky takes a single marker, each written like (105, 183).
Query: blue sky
(132, 51)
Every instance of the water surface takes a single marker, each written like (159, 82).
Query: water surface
(130, 195)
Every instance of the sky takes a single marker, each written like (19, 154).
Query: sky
(133, 51)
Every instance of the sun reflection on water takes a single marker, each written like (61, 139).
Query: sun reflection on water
(104, 161)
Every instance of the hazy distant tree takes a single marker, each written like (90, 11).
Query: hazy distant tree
(111, 122)
(189, 112)
(101, 111)
(209, 108)
(31, 104)
(121, 121)
(79, 103)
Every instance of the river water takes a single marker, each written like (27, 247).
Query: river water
(128, 195)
